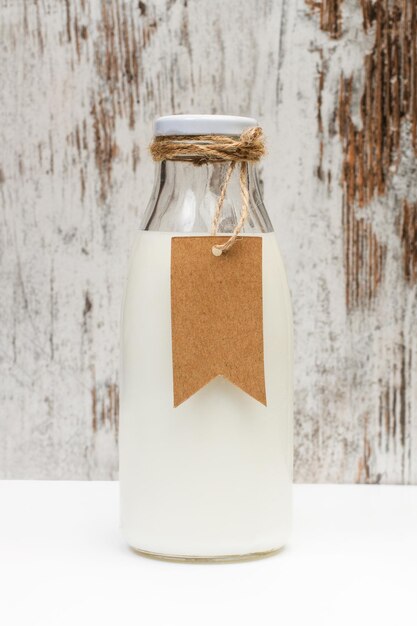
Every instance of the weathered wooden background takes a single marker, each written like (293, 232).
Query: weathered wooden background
(335, 86)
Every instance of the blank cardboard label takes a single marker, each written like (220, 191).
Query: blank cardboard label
(216, 315)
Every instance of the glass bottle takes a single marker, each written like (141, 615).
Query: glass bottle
(211, 478)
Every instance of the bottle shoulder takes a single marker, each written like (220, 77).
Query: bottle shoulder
(185, 199)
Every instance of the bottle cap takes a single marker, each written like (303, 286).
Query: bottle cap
(202, 125)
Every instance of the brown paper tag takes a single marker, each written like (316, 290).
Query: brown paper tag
(216, 315)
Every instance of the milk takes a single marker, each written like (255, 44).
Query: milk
(212, 477)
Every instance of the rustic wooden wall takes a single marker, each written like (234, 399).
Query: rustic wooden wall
(335, 86)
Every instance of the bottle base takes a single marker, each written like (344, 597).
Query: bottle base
(227, 558)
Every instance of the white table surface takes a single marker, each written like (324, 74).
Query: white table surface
(352, 559)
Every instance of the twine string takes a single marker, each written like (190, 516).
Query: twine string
(202, 149)
(218, 211)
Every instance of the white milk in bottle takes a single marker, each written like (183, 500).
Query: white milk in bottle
(210, 478)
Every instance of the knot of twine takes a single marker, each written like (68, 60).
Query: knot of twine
(202, 149)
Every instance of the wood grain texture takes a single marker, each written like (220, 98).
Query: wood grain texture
(334, 85)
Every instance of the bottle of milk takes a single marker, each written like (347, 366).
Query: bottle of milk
(211, 478)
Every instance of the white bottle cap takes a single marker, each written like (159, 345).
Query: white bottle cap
(202, 125)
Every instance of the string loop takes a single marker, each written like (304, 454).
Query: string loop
(202, 149)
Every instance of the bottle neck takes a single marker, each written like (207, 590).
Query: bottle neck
(185, 197)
